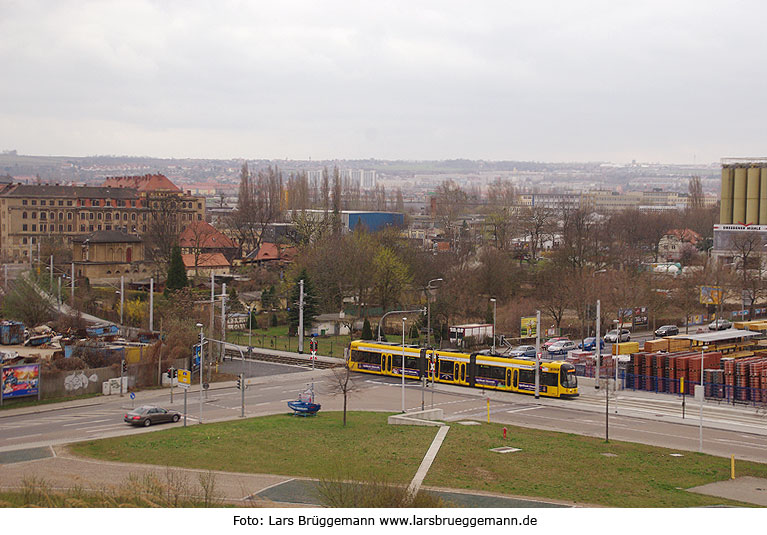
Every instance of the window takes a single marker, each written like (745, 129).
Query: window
(23, 202)
(61, 216)
(23, 215)
(34, 215)
(90, 215)
(100, 215)
(24, 228)
(82, 228)
(24, 241)
(133, 217)
(69, 216)
(42, 215)
(69, 203)
(61, 228)
(61, 203)
(43, 228)
(34, 203)
(42, 203)
(34, 229)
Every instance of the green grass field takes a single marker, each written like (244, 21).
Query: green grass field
(550, 465)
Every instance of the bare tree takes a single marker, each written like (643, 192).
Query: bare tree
(695, 192)
(162, 229)
(450, 204)
(344, 383)
(259, 208)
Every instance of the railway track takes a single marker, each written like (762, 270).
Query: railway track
(282, 359)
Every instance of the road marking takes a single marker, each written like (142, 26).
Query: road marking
(82, 423)
(523, 409)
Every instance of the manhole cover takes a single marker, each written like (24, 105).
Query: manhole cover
(609, 454)
(505, 450)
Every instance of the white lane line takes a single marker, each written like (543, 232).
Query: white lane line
(83, 423)
(523, 409)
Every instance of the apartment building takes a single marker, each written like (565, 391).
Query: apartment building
(31, 213)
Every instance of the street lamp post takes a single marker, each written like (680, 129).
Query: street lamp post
(428, 310)
(199, 325)
(415, 311)
(403, 364)
(492, 300)
(702, 395)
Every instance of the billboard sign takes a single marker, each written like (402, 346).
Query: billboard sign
(528, 327)
(20, 381)
(710, 295)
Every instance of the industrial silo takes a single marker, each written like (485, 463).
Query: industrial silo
(763, 196)
(752, 196)
(725, 208)
(739, 196)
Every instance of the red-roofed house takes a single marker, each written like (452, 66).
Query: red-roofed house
(205, 264)
(202, 237)
(272, 252)
(672, 245)
(153, 183)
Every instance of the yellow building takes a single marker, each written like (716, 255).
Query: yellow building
(30, 214)
(107, 255)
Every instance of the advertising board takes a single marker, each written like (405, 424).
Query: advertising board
(19, 381)
(528, 327)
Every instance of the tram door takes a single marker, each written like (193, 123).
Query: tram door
(460, 371)
(508, 377)
(386, 363)
(515, 381)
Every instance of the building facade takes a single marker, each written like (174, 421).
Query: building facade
(30, 214)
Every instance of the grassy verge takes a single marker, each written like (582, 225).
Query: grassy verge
(550, 465)
(20, 403)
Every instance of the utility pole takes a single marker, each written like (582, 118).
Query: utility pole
(597, 347)
(301, 316)
(223, 321)
(151, 305)
(122, 297)
(51, 285)
(72, 297)
(212, 303)
(537, 354)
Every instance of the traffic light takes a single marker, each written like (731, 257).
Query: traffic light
(172, 373)
(239, 383)
(124, 367)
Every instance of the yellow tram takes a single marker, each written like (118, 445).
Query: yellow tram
(557, 378)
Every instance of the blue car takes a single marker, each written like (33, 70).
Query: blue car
(589, 344)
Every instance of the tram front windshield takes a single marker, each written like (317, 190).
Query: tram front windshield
(568, 377)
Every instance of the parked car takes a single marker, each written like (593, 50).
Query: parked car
(666, 330)
(612, 336)
(550, 341)
(561, 347)
(147, 415)
(590, 344)
(522, 351)
(719, 325)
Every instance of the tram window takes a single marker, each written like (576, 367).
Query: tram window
(396, 360)
(526, 376)
(366, 356)
(491, 372)
(411, 362)
(446, 366)
(569, 380)
(549, 379)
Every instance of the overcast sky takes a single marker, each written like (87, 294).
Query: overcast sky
(666, 81)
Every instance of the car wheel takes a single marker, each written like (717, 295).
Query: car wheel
(176, 417)
(147, 422)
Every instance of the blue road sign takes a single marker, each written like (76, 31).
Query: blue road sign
(132, 395)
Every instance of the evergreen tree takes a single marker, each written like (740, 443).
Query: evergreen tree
(310, 303)
(367, 332)
(176, 272)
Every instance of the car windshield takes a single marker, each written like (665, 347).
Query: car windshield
(520, 348)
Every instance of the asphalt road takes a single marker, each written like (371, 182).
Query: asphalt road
(633, 416)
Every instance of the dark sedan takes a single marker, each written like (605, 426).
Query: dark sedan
(666, 330)
(148, 415)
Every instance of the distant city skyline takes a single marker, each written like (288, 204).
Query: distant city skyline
(501, 81)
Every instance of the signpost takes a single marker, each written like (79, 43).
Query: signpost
(185, 381)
